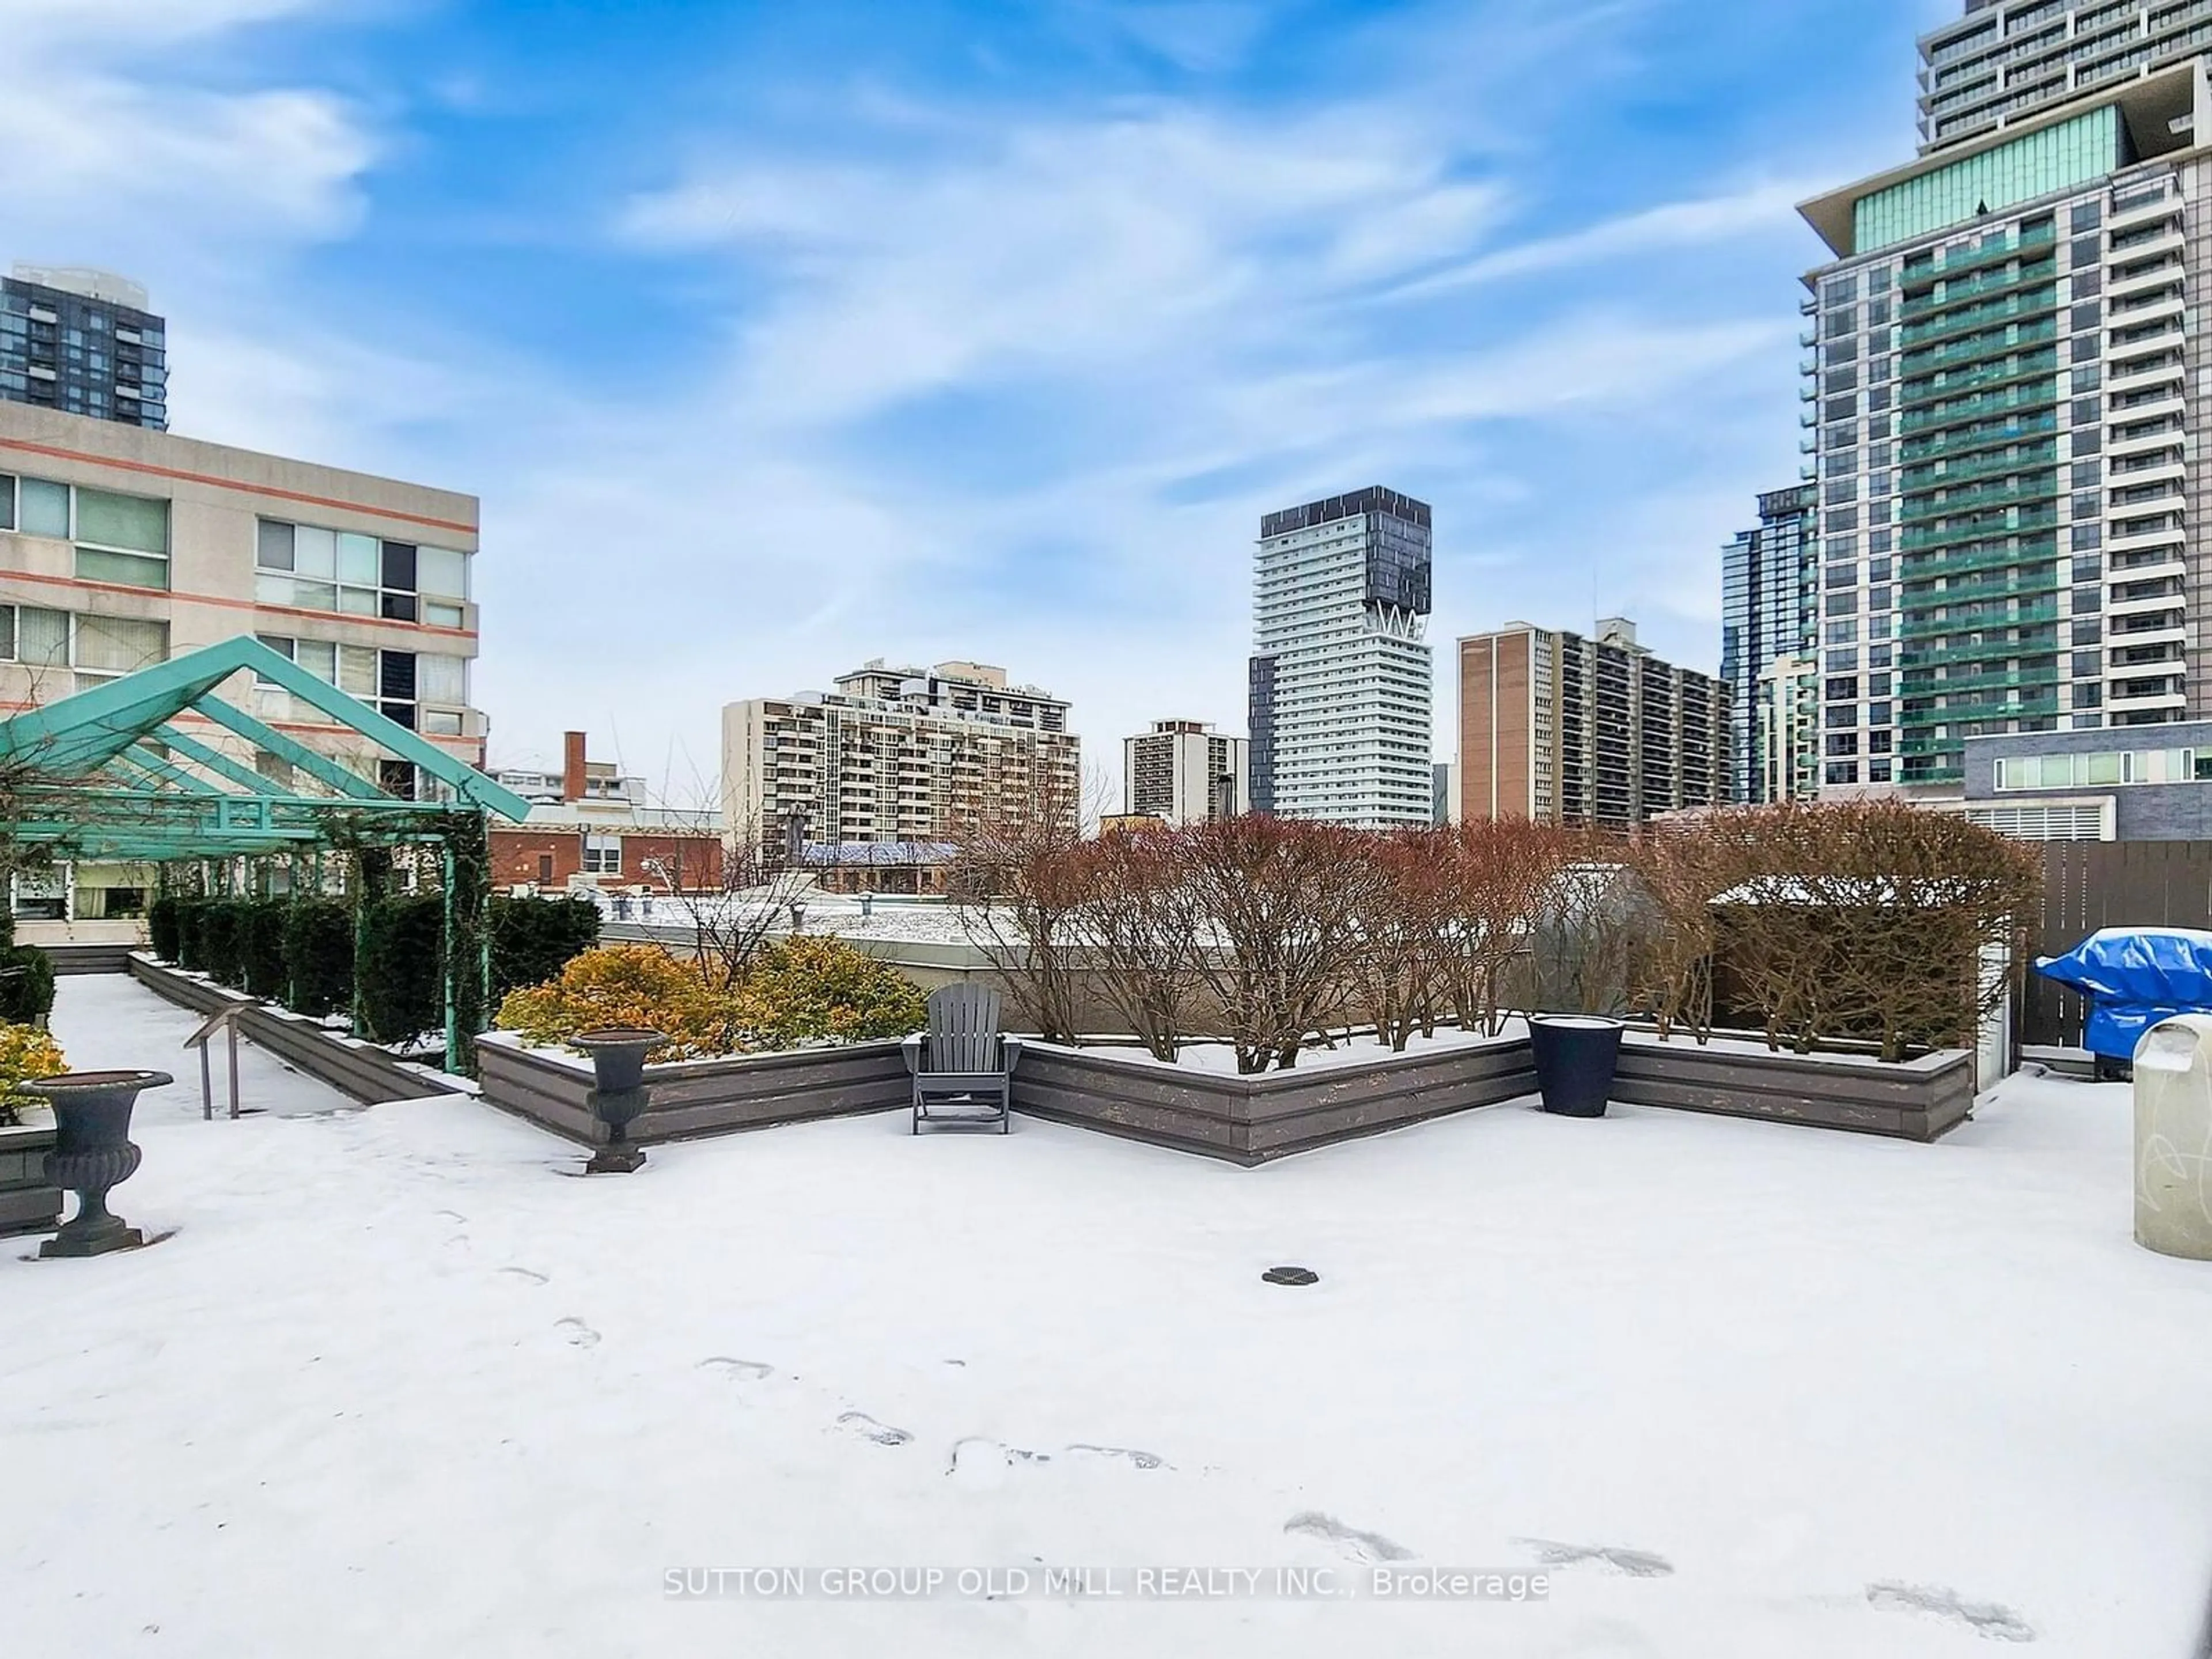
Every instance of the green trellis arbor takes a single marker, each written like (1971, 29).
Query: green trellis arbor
(109, 774)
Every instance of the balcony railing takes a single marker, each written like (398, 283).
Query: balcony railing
(2032, 302)
(1972, 620)
(1966, 411)
(1922, 477)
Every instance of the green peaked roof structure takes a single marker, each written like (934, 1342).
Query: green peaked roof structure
(106, 774)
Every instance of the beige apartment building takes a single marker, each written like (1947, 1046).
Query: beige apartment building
(895, 755)
(1185, 772)
(122, 546)
(1561, 728)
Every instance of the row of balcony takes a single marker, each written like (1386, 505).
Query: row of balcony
(1958, 290)
(2019, 491)
(1969, 531)
(2040, 364)
(1974, 348)
(2029, 302)
(1975, 619)
(2022, 399)
(1997, 435)
(2028, 458)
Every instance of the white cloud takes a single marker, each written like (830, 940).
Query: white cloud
(1755, 210)
(118, 157)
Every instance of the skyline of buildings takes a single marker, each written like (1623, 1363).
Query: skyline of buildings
(1341, 681)
(1992, 540)
(1595, 730)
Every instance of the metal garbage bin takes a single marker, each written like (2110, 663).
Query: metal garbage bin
(2173, 1138)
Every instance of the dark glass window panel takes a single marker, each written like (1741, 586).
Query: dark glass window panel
(396, 674)
(399, 566)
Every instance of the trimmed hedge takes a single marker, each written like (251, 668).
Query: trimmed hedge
(191, 923)
(318, 955)
(162, 925)
(532, 939)
(27, 977)
(223, 929)
(261, 948)
(401, 991)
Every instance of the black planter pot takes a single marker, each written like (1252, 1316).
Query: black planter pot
(619, 1092)
(93, 1151)
(1575, 1057)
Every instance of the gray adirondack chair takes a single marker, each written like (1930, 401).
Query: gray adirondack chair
(962, 1060)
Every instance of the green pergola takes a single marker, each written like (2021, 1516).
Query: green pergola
(110, 774)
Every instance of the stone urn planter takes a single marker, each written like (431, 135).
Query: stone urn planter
(1575, 1057)
(618, 1094)
(93, 1151)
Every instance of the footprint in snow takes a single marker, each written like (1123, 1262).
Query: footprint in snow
(737, 1370)
(1636, 1563)
(1985, 1619)
(979, 1455)
(577, 1332)
(1368, 1546)
(866, 1427)
(1141, 1459)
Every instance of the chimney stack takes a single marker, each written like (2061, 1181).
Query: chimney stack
(572, 766)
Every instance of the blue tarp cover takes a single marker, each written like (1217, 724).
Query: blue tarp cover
(2135, 977)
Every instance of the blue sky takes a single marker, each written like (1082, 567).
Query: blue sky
(776, 337)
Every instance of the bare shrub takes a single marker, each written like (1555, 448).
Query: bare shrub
(1498, 871)
(1019, 884)
(733, 904)
(1404, 897)
(1284, 897)
(1145, 928)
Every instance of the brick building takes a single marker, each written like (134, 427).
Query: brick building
(591, 826)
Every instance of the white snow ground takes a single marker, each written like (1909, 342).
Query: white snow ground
(396, 1384)
(109, 1022)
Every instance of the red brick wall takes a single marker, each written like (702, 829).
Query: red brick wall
(517, 855)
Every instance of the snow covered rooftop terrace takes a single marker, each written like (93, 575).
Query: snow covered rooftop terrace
(395, 1384)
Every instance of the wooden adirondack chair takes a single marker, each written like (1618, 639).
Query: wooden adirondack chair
(962, 1060)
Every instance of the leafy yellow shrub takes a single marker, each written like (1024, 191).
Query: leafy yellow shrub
(801, 990)
(26, 1054)
(632, 985)
(822, 989)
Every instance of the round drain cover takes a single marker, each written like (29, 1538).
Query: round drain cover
(1291, 1276)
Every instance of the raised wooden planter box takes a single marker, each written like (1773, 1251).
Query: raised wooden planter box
(359, 1069)
(696, 1097)
(28, 1203)
(1911, 1100)
(1252, 1120)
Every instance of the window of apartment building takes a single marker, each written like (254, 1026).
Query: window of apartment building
(93, 648)
(120, 539)
(401, 684)
(304, 568)
(603, 855)
(2103, 770)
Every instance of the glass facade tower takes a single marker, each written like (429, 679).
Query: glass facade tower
(83, 341)
(1999, 410)
(1770, 609)
(1340, 678)
(2007, 62)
